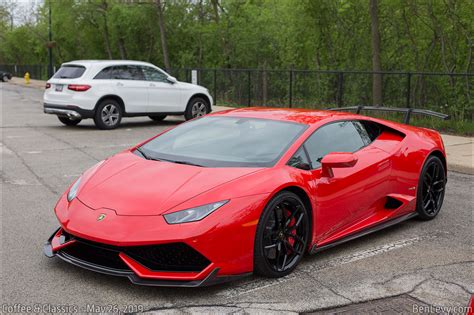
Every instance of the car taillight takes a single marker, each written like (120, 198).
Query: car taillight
(48, 85)
(78, 87)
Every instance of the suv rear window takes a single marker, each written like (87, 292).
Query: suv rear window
(69, 72)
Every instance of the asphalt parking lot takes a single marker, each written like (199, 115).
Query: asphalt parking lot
(429, 263)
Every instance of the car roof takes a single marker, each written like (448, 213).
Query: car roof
(107, 62)
(302, 116)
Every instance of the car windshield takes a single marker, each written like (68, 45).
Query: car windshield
(69, 72)
(224, 142)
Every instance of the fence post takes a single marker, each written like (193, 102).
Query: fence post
(249, 87)
(340, 88)
(215, 86)
(408, 90)
(291, 89)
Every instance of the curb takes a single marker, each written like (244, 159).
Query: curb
(463, 169)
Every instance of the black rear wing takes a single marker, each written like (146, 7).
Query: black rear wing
(407, 111)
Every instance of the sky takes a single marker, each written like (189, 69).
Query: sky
(23, 11)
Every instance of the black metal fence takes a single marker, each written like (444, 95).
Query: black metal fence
(37, 72)
(450, 93)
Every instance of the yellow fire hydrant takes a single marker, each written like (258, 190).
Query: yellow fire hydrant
(27, 78)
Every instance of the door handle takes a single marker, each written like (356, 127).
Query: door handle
(152, 85)
(119, 84)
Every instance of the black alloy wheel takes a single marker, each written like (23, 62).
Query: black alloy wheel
(431, 188)
(282, 236)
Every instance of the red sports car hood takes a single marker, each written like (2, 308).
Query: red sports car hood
(131, 185)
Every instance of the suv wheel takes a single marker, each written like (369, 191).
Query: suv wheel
(108, 114)
(5, 78)
(197, 107)
(157, 117)
(69, 122)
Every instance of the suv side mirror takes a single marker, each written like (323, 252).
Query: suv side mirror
(336, 160)
(171, 79)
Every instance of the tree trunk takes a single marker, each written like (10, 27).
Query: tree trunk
(103, 9)
(200, 45)
(376, 63)
(264, 85)
(215, 6)
(122, 48)
(161, 23)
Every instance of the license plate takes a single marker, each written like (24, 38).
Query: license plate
(59, 87)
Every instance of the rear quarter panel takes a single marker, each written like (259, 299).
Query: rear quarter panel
(409, 157)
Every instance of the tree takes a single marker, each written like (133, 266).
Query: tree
(161, 24)
(376, 63)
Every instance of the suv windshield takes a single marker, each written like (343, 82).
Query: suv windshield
(224, 142)
(69, 72)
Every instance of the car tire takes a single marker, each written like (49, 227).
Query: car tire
(431, 188)
(108, 114)
(157, 117)
(5, 78)
(69, 122)
(197, 107)
(282, 236)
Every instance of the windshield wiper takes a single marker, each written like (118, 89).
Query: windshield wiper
(180, 162)
(186, 163)
(139, 150)
(159, 159)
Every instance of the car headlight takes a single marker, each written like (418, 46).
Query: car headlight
(193, 214)
(73, 191)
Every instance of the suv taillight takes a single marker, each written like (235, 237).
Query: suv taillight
(48, 85)
(78, 87)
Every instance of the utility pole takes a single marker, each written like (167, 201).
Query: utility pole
(50, 43)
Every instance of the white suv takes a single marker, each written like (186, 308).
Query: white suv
(109, 90)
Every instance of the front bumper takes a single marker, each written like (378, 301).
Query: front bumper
(116, 261)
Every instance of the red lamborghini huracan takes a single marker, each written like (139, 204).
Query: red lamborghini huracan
(246, 190)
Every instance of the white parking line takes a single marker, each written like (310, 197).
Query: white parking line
(259, 284)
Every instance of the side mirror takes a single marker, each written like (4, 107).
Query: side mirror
(337, 160)
(171, 79)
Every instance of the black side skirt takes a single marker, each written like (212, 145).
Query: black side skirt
(378, 227)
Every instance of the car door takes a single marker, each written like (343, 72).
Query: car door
(163, 95)
(353, 193)
(132, 87)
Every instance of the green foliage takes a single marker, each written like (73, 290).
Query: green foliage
(416, 35)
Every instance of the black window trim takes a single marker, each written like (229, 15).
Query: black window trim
(121, 65)
(303, 145)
